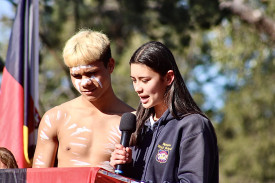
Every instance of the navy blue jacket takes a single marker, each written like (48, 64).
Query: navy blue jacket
(177, 151)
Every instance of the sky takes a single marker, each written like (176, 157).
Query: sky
(5, 10)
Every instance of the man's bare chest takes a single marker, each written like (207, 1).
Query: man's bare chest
(84, 139)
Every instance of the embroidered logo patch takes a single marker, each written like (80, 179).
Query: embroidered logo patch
(162, 156)
(163, 152)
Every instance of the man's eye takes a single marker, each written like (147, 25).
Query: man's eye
(90, 74)
(77, 76)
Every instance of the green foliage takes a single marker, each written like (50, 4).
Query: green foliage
(245, 133)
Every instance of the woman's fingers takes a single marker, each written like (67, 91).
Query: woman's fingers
(119, 155)
(128, 155)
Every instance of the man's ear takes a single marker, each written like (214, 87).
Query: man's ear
(111, 65)
(169, 77)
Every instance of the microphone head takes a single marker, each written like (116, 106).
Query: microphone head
(128, 122)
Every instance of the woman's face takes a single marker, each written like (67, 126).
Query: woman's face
(150, 86)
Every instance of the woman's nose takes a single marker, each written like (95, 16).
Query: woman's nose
(137, 88)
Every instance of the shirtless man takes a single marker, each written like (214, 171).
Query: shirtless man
(83, 131)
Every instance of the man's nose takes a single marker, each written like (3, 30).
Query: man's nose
(86, 81)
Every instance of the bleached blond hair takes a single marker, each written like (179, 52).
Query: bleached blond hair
(86, 47)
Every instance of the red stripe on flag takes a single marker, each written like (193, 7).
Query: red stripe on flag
(12, 114)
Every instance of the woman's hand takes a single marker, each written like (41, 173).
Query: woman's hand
(121, 155)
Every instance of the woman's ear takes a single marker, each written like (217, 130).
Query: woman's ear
(169, 77)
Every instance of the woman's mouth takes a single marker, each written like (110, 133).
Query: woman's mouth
(144, 99)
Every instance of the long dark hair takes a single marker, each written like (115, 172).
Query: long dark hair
(177, 97)
(7, 158)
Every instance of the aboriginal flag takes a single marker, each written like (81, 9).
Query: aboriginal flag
(19, 89)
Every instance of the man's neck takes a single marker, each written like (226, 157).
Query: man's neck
(106, 103)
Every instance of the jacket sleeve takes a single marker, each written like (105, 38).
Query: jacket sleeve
(198, 157)
(132, 172)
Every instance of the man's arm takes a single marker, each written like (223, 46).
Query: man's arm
(47, 143)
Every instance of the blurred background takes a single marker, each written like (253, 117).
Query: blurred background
(225, 50)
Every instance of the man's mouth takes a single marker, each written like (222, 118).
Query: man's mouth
(88, 92)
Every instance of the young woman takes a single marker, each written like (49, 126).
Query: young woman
(174, 141)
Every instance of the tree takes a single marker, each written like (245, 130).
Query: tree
(246, 54)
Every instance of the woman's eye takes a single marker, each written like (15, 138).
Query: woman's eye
(145, 80)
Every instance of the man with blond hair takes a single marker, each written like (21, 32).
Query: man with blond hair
(82, 132)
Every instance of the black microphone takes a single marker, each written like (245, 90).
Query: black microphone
(127, 127)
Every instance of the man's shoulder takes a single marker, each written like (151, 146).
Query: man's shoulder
(122, 107)
(64, 108)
